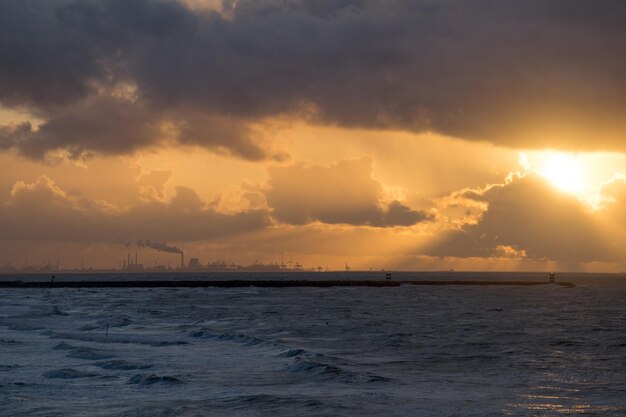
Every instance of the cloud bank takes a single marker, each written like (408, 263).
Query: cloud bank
(115, 76)
(342, 193)
(527, 217)
(336, 209)
(42, 211)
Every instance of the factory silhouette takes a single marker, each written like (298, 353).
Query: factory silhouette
(131, 264)
(194, 265)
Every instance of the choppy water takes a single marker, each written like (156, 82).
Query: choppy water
(407, 351)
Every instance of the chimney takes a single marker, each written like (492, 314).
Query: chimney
(182, 260)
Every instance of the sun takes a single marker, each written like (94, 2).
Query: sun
(564, 171)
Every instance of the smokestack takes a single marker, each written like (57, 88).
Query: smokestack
(136, 258)
(162, 247)
(128, 259)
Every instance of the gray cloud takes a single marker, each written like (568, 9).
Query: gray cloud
(104, 126)
(111, 126)
(343, 193)
(529, 215)
(530, 73)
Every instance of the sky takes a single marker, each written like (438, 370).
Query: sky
(383, 134)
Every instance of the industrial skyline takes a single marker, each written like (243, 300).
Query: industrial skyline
(132, 263)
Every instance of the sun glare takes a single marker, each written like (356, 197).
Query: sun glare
(564, 171)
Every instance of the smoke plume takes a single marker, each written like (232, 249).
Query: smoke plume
(160, 246)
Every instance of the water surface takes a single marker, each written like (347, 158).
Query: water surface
(423, 351)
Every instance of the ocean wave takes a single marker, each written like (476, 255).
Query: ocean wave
(236, 338)
(88, 353)
(149, 340)
(304, 361)
(82, 352)
(36, 312)
(143, 379)
(9, 342)
(56, 311)
(121, 365)
(290, 353)
(270, 401)
(324, 370)
(565, 342)
(302, 365)
(67, 373)
(23, 327)
(115, 322)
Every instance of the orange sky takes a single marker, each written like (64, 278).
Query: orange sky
(330, 211)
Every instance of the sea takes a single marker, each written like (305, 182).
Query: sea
(341, 351)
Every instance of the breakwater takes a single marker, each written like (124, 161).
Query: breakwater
(261, 283)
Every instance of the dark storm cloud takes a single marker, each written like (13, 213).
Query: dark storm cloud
(343, 193)
(111, 126)
(106, 126)
(512, 72)
(527, 214)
